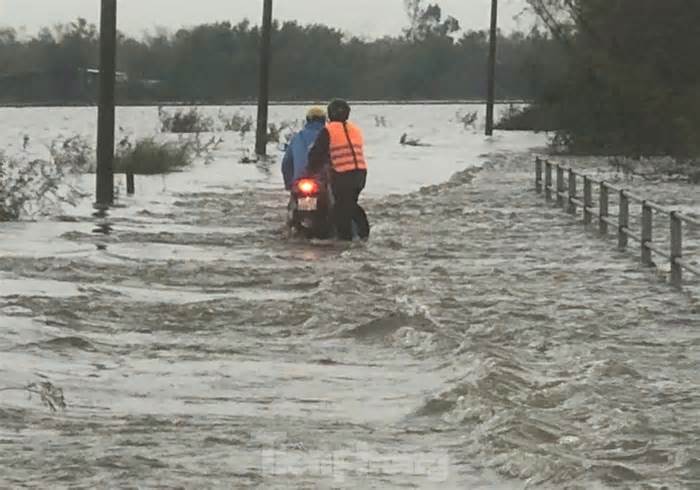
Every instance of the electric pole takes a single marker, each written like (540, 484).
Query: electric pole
(264, 81)
(491, 96)
(106, 111)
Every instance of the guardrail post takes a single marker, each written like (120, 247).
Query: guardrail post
(676, 250)
(647, 236)
(560, 185)
(130, 187)
(587, 200)
(572, 192)
(538, 175)
(603, 209)
(624, 217)
(548, 180)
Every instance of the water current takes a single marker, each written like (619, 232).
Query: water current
(481, 339)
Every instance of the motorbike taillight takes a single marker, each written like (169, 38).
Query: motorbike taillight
(307, 187)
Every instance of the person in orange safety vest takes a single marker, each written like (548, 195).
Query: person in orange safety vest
(341, 144)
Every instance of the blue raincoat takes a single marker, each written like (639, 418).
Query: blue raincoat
(296, 158)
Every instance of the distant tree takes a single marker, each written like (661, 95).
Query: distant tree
(414, 11)
(427, 21)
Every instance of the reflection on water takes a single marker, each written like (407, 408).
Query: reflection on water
(103, 226)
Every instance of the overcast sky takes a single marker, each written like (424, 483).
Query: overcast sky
(361, 17)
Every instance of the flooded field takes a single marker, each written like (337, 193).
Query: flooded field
(480, 339)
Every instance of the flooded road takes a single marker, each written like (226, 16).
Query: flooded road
(480, 339)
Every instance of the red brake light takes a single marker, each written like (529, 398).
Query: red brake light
(307, 186)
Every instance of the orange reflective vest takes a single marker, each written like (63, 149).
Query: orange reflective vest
(347, 147)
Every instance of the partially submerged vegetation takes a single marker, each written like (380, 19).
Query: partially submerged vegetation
(192, 121)
(149, 157)
(530, 118)
(380, 121)
(30, 186)
(405, 140)
(276, 131)
(35, 186)
(184, 121)
(237, 123)
(467, 119)
(49, 394)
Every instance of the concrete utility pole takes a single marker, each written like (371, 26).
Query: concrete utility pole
(264, 81)
(105, 118)
(491, 97)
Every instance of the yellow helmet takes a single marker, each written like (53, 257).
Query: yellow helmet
(316, 113)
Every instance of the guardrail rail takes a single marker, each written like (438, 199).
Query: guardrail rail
(565, 191)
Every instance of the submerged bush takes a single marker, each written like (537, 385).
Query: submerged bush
(238, 123)
(380, 121)
(275, 132)
(150, 157)
(75, 153)
(50, 395)
(191, 121)
(33, 186)
(468, 120)
(531, 118)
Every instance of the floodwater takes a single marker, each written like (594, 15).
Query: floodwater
(480, 339)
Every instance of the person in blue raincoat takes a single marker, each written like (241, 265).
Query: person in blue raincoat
(296, 158)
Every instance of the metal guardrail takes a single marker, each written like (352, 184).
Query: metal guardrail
(567, 196)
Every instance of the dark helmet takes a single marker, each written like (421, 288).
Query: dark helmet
(338, 111)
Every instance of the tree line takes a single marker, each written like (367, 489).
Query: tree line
(218, 62)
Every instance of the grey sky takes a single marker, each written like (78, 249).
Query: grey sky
(362, 17)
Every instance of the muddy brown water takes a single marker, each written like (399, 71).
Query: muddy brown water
(480, 339)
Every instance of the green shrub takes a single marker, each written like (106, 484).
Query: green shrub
(191, 121)
(34, 186)
(149, 157)
(530, 118)
(237, 123)
(74, 153)
(468, 120)
(275, 132)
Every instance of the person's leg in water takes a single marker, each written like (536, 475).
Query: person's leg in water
(346, 189)
(361, 223)
(359, 216)
(343, 192)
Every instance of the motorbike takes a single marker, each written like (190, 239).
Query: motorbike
(309, 211)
